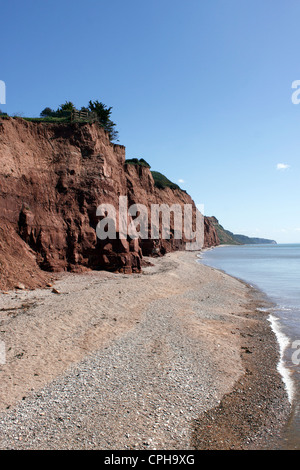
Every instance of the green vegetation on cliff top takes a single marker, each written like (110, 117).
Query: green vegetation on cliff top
(67, 112)
(162, 181)
(138, 162)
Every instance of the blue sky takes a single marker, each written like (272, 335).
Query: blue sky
(200, 89)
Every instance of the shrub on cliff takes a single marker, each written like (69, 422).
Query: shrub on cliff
(161, 181)
(64, 110)
(47, 112)
(136, 161)
(68, 106)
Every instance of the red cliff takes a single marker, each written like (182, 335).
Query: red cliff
(52, 179)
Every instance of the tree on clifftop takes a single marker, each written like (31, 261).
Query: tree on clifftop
(46, 112)
(103, 114)
(68, 106)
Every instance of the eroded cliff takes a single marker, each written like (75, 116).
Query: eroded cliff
(52, 179)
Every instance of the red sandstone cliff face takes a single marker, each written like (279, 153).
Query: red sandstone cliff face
(52, 179)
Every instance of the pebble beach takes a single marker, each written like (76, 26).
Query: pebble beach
(181, 356)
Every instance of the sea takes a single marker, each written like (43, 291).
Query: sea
(275, 270)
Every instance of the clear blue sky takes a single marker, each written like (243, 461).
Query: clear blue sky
(200, 89)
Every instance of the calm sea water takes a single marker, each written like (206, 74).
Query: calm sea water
(275, 269)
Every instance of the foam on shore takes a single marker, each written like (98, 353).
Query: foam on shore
(283, 342)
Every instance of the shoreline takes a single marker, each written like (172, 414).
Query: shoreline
(282, 343)
(253, 415)
(199, 358)
(282, 340)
